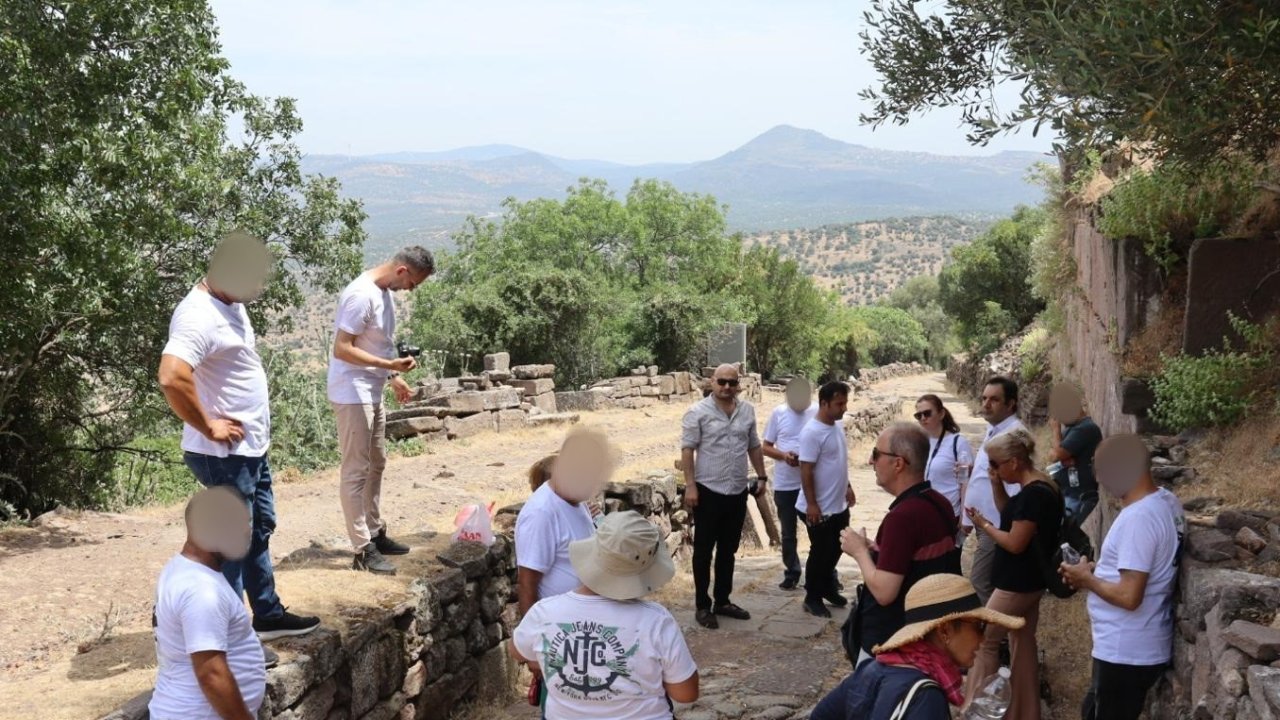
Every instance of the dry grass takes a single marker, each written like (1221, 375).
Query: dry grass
(1162, 336)
(1067, 646)
(1237, 464)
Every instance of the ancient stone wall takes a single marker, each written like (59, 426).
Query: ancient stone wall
(443, 643)
(645, 387)
(970, 374)
(868, 376)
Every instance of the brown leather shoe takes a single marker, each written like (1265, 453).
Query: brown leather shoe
(730, 610)
(707, 619)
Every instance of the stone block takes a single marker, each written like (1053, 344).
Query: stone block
(1232, 521)
(436, 660)
(469, 557)
(583, 400)
(417, 410)
(1228, 273)
(1264, 691)
(464, 427)
(467, 402)
(1202, 671)
(134, 709)
(1250, 540)
(546, 402)
(1210, 545)
(455, 649)
(376, 670)
(649, 391)
(479, 382)
(491, 604)
(316, 655)
(560, 418)
(415, 678)
(501, 398)
(634, 495)
(683, 383)
(533, 372)
(1259, 642)
(498, 362)
(652, 370)
(534, 387)
(448, 585)
(1204, 587)
(388, 709)
(476, 636)
(316, 703)
(498, 676)
(1136, 396)
(512, 419)
(666, 385)
(412, 427)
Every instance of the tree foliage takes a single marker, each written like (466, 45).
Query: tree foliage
(919, 297)
(895, 335)
(1191, 77)
(986, 285)
(126, 152)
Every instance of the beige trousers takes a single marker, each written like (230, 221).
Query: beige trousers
(1023, 655)
(363, 443)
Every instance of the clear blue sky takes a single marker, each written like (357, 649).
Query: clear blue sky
(623, 80)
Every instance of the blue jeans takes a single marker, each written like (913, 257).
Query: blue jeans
(251, 477)
(1080, 506)
(786, 502)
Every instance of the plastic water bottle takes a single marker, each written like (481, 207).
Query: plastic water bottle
(1053, 469)
(992, 701)
(1069, 555)
(1073, 477)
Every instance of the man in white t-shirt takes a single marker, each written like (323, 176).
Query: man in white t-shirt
(1131, 587)
(364, 358)
(1000, 410)
(212, 378)
(209, 662)
(781, 441)
(605, 652)
(825, 496)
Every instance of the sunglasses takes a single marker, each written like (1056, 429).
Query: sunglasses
(877, 452)
(923, 415)
(726, 381)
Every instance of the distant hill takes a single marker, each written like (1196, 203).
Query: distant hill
(786, 178)
(865, 261)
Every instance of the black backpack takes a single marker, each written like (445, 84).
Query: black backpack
(1069, 532)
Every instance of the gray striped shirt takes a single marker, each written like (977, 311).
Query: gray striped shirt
(720, 443)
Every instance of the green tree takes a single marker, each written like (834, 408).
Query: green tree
(1186, 76)
(789, 312)
(919, 297)
(897, 337)
(996, 268)
(122, 167)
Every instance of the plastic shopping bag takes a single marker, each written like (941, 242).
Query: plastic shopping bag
(474, 524)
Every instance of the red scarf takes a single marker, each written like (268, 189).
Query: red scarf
(932, 661)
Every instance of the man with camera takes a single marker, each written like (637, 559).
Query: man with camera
(365, 357)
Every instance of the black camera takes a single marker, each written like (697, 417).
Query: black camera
(405, 350)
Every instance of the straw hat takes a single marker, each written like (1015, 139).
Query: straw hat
(625, 559)
(939, 599)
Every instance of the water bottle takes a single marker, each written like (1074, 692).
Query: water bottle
(964, 463)
(992, 701)
(1069, 555)
(1073, 477)
(1053, 469)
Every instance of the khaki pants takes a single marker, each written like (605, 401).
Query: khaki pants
(984, 555)
(1023, 654)
(363, 443)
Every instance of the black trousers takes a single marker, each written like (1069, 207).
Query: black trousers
(824, 553)
(1119, 692)
(717, 531)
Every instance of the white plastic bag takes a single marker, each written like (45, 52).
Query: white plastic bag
(474, 523)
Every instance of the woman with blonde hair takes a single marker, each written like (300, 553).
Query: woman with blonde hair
(1027, 533)
(916, 673)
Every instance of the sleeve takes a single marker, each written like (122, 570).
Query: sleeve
(897, 541)
(1029, 505)
(1139, 544)
(677, 661)
(353, 313)
(771, 427)
(205, 619)
(690, 430)
(753, 433)
(810, 445)
(189, 339)
(525, 636)
(535, 541)
(1082, 441)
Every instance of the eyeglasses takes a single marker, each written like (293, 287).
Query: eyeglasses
(877, 452)
(731, 382)
(923, 415)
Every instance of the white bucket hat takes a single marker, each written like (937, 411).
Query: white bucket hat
(626, 558)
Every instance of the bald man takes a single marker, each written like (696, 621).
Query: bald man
(718, 437)
(209, 661)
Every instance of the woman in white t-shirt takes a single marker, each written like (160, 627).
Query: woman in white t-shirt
(603, 651)
(950, 455)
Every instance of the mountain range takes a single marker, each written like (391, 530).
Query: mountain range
(785, 178)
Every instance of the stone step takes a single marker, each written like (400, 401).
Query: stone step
(553, 419)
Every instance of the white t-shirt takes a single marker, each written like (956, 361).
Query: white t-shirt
(196, 610)
(783, 430)
(1144, 538)
(826, 446)
(978, 493)
(604, 658)
(218, 342)
(941, 470)
(546, 525)
(367, 312)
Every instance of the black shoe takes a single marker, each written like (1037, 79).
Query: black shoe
(789, 583)
(286, 625)
(373, 561)
(707, 619)
(730, 610)
(269, 658)
(835, 599)
(815, 607)
(387, 546)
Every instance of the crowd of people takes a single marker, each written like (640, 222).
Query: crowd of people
(921, 636)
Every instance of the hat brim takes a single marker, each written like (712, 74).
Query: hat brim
(583, 555)
(917, 631)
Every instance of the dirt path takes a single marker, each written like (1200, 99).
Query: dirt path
(87, 581)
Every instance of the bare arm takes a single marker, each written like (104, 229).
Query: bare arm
(683, 692)
(344, 349)
(756, 454)
(1126, 594)
(771, 451)
(1016, 540)
(690, 487)
(527, 589)
(884, 585)
(177, 381)
(219, 685)
(813, 512)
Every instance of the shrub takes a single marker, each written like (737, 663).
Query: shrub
(1216, 388)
